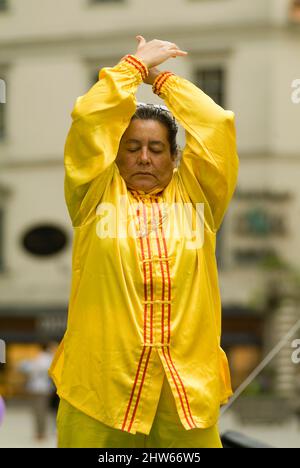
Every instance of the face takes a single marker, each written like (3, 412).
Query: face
(144, 158)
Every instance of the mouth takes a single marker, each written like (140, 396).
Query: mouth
(144, 173)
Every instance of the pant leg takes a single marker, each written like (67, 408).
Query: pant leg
(77, 430)
(168, 431)
(40, 411)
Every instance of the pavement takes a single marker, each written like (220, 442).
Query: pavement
(283, 435)
(17, 429)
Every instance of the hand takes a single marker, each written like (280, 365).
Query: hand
(155, 52)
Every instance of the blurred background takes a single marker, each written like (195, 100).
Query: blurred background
(243, 54)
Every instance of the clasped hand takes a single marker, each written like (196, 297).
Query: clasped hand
(154, 53)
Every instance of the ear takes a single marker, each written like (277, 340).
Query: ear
(176, 158)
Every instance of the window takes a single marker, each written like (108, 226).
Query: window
(3, 5)
(94, 67)
(211, 81)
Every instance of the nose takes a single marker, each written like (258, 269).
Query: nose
(144, 157)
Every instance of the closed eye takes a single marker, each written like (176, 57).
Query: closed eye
(137, 149)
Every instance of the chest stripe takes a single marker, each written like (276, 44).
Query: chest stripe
(150, 273)
(168, 359)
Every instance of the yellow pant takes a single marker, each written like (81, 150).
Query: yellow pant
(77, 430)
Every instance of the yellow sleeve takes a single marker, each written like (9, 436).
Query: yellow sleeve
(209, 164)
(99, 119)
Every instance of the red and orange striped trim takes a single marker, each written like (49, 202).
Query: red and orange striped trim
(145, 356)
(160, 80)
(137, 388)
(180, 388)
(138, 64)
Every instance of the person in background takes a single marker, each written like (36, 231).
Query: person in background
(39, 387)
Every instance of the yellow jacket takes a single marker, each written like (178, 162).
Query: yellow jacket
(144, 307)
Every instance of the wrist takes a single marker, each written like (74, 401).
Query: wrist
(160, 80)
(138, 63)
(153, 73)
(142, 59)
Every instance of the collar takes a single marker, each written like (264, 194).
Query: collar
(141, 193)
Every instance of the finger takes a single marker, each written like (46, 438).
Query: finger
(176, 53)
(141, 40)
(174, 49)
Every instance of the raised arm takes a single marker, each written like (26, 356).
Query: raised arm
(99, 119)
(209, 164)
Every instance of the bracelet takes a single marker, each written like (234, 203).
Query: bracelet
(160, 80)
(138, 64)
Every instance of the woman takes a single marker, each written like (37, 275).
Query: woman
(140, 364)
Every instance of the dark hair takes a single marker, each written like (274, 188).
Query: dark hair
(153, 112)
